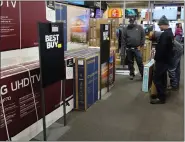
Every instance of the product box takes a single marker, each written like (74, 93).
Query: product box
(21, 98)
(112, 42)
(116, 43)
(113, 30)
(98, 42)
(147, 76)
(115, 22)
(92, 22)
(87, 81)
(153, 89)
(146, 51)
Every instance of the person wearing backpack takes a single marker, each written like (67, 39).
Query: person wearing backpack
(133, 39)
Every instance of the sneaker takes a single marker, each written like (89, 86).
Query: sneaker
(157, 101)
(153, 96)
(173, 88)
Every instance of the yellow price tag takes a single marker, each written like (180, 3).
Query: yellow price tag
(59, 45)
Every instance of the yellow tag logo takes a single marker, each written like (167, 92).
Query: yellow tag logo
(59, 45)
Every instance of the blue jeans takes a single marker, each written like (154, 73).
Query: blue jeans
(174, 72)
(131, 53)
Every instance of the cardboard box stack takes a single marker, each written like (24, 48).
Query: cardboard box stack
(114, 40)
(94, 31)
(146, 51)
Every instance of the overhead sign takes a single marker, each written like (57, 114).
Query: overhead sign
(115, 13)
(51, 51)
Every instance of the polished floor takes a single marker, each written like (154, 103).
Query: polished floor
(127, 115)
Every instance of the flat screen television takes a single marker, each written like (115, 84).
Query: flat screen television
(131, 12)
(98, 13)
(148, 28)
(80, 2)
(169, 11)
(182, 13)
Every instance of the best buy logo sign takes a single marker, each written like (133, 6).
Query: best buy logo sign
(52, 41)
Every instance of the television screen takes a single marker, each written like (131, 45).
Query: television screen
(169, 11)
(81, 2)
(99, 13)
(131, 12)
(182, 13)
(148, 28)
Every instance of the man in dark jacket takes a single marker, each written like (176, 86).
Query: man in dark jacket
(163, 57)
(133, 38)
(174, 68)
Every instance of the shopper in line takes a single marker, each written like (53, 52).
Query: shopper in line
(174, 68)
(163, 57)
(133, 39)
(178, 32)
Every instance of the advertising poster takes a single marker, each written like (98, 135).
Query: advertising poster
(9, 25)
(115, 13)
(78, 24)
(61, 16)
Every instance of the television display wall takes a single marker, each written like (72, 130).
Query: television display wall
(169, 11)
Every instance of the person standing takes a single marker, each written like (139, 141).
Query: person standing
(174, 67)
(133, 38)
(163, 57)
(178, 32)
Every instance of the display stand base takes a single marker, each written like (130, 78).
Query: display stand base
(54, 132)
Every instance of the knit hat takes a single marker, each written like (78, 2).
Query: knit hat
(163, 21)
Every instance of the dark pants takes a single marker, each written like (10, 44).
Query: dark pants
(160, 79)
(174, 73)
(131, 53)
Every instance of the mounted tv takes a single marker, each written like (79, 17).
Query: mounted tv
(131, 12)
(73, 2)
(98, 13)
(169, 11)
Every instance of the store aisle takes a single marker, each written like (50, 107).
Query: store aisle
(127, 115)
